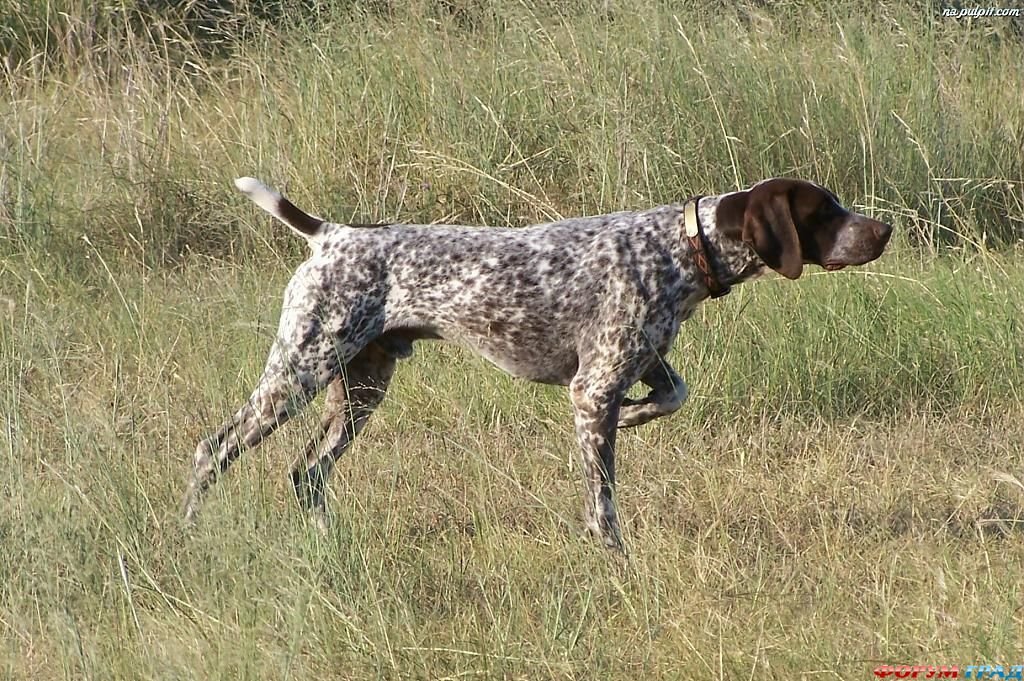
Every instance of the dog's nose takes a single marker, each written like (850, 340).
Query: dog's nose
(883, 231)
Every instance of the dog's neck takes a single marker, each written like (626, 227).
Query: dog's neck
(721, 218)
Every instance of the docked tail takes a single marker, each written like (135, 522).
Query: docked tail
(281, 208)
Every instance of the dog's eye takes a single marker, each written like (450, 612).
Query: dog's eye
(826, 210)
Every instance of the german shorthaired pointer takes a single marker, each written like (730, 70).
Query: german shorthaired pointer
(589, 303)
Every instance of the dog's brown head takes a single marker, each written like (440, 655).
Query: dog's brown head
(790, 223)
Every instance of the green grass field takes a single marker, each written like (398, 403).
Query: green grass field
(844, 489)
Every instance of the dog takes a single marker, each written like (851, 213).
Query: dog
(590, 303)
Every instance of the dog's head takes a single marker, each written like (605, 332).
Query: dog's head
(789, 223)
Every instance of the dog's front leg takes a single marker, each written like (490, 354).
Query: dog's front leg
(668, 393)
(596, 411)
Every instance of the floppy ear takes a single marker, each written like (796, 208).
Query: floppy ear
(768, 227)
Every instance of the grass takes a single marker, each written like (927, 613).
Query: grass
(844, 488)
(772, 531)
(519, 118)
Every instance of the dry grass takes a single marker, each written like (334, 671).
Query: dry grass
(513, 119)
(768, 535)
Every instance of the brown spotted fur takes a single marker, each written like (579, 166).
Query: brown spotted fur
(590, 303)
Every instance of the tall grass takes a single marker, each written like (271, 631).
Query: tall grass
(524, 116)
(843, 489)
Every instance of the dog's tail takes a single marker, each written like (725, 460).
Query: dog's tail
(281, 208)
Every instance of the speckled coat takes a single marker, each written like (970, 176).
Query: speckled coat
(592, 303)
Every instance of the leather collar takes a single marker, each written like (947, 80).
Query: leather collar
(701, 253)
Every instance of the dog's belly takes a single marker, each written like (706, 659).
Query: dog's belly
(533, 359)
(554, 365)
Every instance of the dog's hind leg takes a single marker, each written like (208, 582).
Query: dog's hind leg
(283, 390)
(351, 399)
